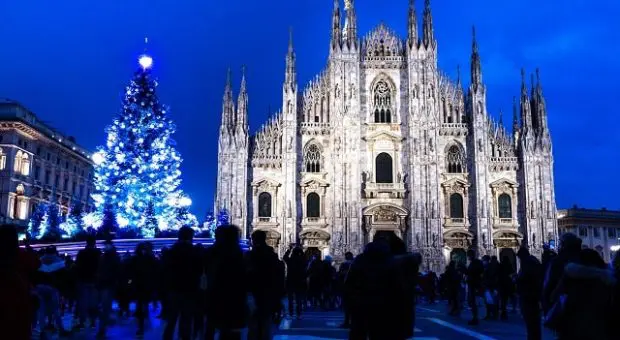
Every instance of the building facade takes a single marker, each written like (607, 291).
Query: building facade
(38, 164)
(599, 229)
(381, 141)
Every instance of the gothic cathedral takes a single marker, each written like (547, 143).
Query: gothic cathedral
(381, 141)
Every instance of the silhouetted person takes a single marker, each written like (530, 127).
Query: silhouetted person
(183, 267)
(48, 280)
(588, 289)
(15, 305)
(506, 286)
(343, 271)
(452, 279)
(373, 284)
(295, 279)
(475, 271)
(107, 282)
(227, 287)
(570, 247)
(87, 266)
(529, 283)
(265, 286)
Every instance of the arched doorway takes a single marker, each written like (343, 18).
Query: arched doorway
(459, 256)
(385, 235)
(311, 252)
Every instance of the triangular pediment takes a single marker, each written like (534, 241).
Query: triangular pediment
(314, 181)
(384, 135)
(504, 181)
(265, 181)
(455, 181)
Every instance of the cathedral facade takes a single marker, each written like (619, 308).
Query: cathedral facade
(381, 141)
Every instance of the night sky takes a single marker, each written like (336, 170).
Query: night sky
(69, 61)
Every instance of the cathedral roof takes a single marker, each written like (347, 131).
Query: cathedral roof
(382, 42)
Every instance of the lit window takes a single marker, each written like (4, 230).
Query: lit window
(25, 165)
(18, 162)
(22, 209)
(2, 160)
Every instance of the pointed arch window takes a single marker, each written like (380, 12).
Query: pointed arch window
(456, 206)
(455, 160)
(312, 158)
(382, 102)
(383, 168)
(313, 205)
(504, 204)
(264, 204)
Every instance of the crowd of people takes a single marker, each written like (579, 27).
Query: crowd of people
(223, 289)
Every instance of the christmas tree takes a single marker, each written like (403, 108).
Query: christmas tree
(137, 172)
(75, 221)
(53, 218)
(38, 221)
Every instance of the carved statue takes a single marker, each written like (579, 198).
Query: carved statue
(417, 239)
(352, 90)
(431, 147)
(434, 240)
(290, 143)
(398, 177)
(337, 91)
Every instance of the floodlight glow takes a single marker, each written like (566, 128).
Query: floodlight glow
(145, 61)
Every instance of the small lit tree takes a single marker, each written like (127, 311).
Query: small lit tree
(223, 218)
(75, 221)
(36, 225)
(54, 219)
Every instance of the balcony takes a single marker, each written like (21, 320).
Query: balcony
(504, 163)
(316, 222)
(265, 222)
(456, 222)
(505, 223)
(315, 128)
(453, 129)
(384, 190)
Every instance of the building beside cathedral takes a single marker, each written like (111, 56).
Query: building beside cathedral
(381, 141)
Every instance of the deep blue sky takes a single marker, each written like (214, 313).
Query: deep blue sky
(69, 61)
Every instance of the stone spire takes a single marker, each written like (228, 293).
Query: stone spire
(428, 38)
(515, 116)
(412, 25)
(541, 110)
(336, 32)
(242, 105)
(476, 67)
(228, 107)
(290, 79)
(350, 24)
(458, 76)
(526, 116)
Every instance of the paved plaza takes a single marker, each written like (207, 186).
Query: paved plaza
(432, 323)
